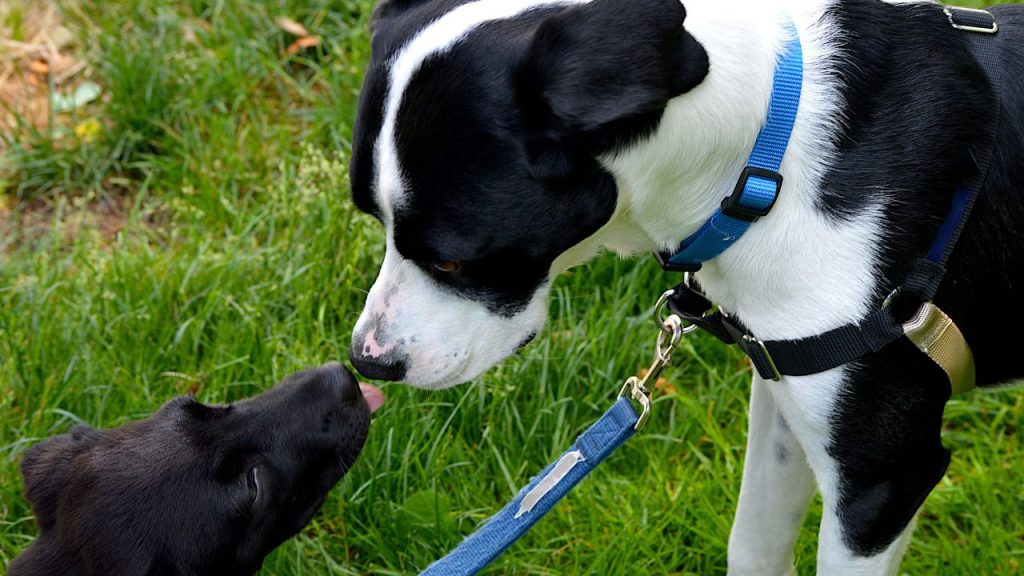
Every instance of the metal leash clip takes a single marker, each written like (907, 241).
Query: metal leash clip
(671, 332)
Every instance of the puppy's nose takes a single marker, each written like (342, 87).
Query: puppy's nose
(383, 368)
(343, 381)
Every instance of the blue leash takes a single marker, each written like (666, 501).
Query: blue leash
(544, 491)
(616, 426)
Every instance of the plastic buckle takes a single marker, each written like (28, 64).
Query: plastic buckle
(971, 19)
(664, 260)
(731, 206)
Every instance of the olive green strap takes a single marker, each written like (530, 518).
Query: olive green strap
(935, 334)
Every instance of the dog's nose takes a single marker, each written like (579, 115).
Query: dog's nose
(343, 381)
(383, 368)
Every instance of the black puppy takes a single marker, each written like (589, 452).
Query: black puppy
(194, 489)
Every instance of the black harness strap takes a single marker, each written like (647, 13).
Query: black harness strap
(774, 359)
(984, 39)
(881, 328)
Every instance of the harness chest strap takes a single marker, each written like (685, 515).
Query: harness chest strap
(927, 327)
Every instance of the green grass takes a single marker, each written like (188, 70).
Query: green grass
(242, 260)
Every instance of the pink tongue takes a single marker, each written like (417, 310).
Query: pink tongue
(374, 397)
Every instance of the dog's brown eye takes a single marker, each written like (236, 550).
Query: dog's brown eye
(448, 266)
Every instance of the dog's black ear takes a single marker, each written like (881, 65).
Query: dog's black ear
(595, 70)
(44, 468)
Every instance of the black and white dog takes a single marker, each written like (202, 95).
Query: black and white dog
(194, 490)
(501, 142)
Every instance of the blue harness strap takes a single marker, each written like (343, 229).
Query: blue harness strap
(543, 492)
(957, 211)
(760, 183)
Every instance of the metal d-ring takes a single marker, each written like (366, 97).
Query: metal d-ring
(659, 310)
(663, 321)
(892, 296)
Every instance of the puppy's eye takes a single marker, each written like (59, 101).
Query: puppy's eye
(253, 482)
(447, 267)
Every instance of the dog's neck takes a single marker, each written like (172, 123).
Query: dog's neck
(672, 182)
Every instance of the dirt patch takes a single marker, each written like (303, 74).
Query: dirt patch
(27, 222)
(38, 55)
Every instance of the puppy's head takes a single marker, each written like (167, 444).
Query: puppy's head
(194, 489)
(476, 146)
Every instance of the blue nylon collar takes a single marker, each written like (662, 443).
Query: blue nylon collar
(760, 183)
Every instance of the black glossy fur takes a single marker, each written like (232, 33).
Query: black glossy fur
(194, 489)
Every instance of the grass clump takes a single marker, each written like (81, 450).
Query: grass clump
(236, 258)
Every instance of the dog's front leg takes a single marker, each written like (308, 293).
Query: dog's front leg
(842, 552)
(777, 487)
(871, 433)
(836, 558)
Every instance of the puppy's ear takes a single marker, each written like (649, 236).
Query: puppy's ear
(197, 410)
(594, 69)
(44, 468)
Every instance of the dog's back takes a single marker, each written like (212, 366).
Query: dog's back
(985, 285)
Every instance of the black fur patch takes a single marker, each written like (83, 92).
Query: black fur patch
(916, 102)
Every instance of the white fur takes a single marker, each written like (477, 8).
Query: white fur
(669, 184)
(775, 492)
(438, 332)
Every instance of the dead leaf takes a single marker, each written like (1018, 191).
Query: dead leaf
(46, 53)
(84, 94)
(39, 67)
(303, 43)
(664, 385)
(292, 27)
